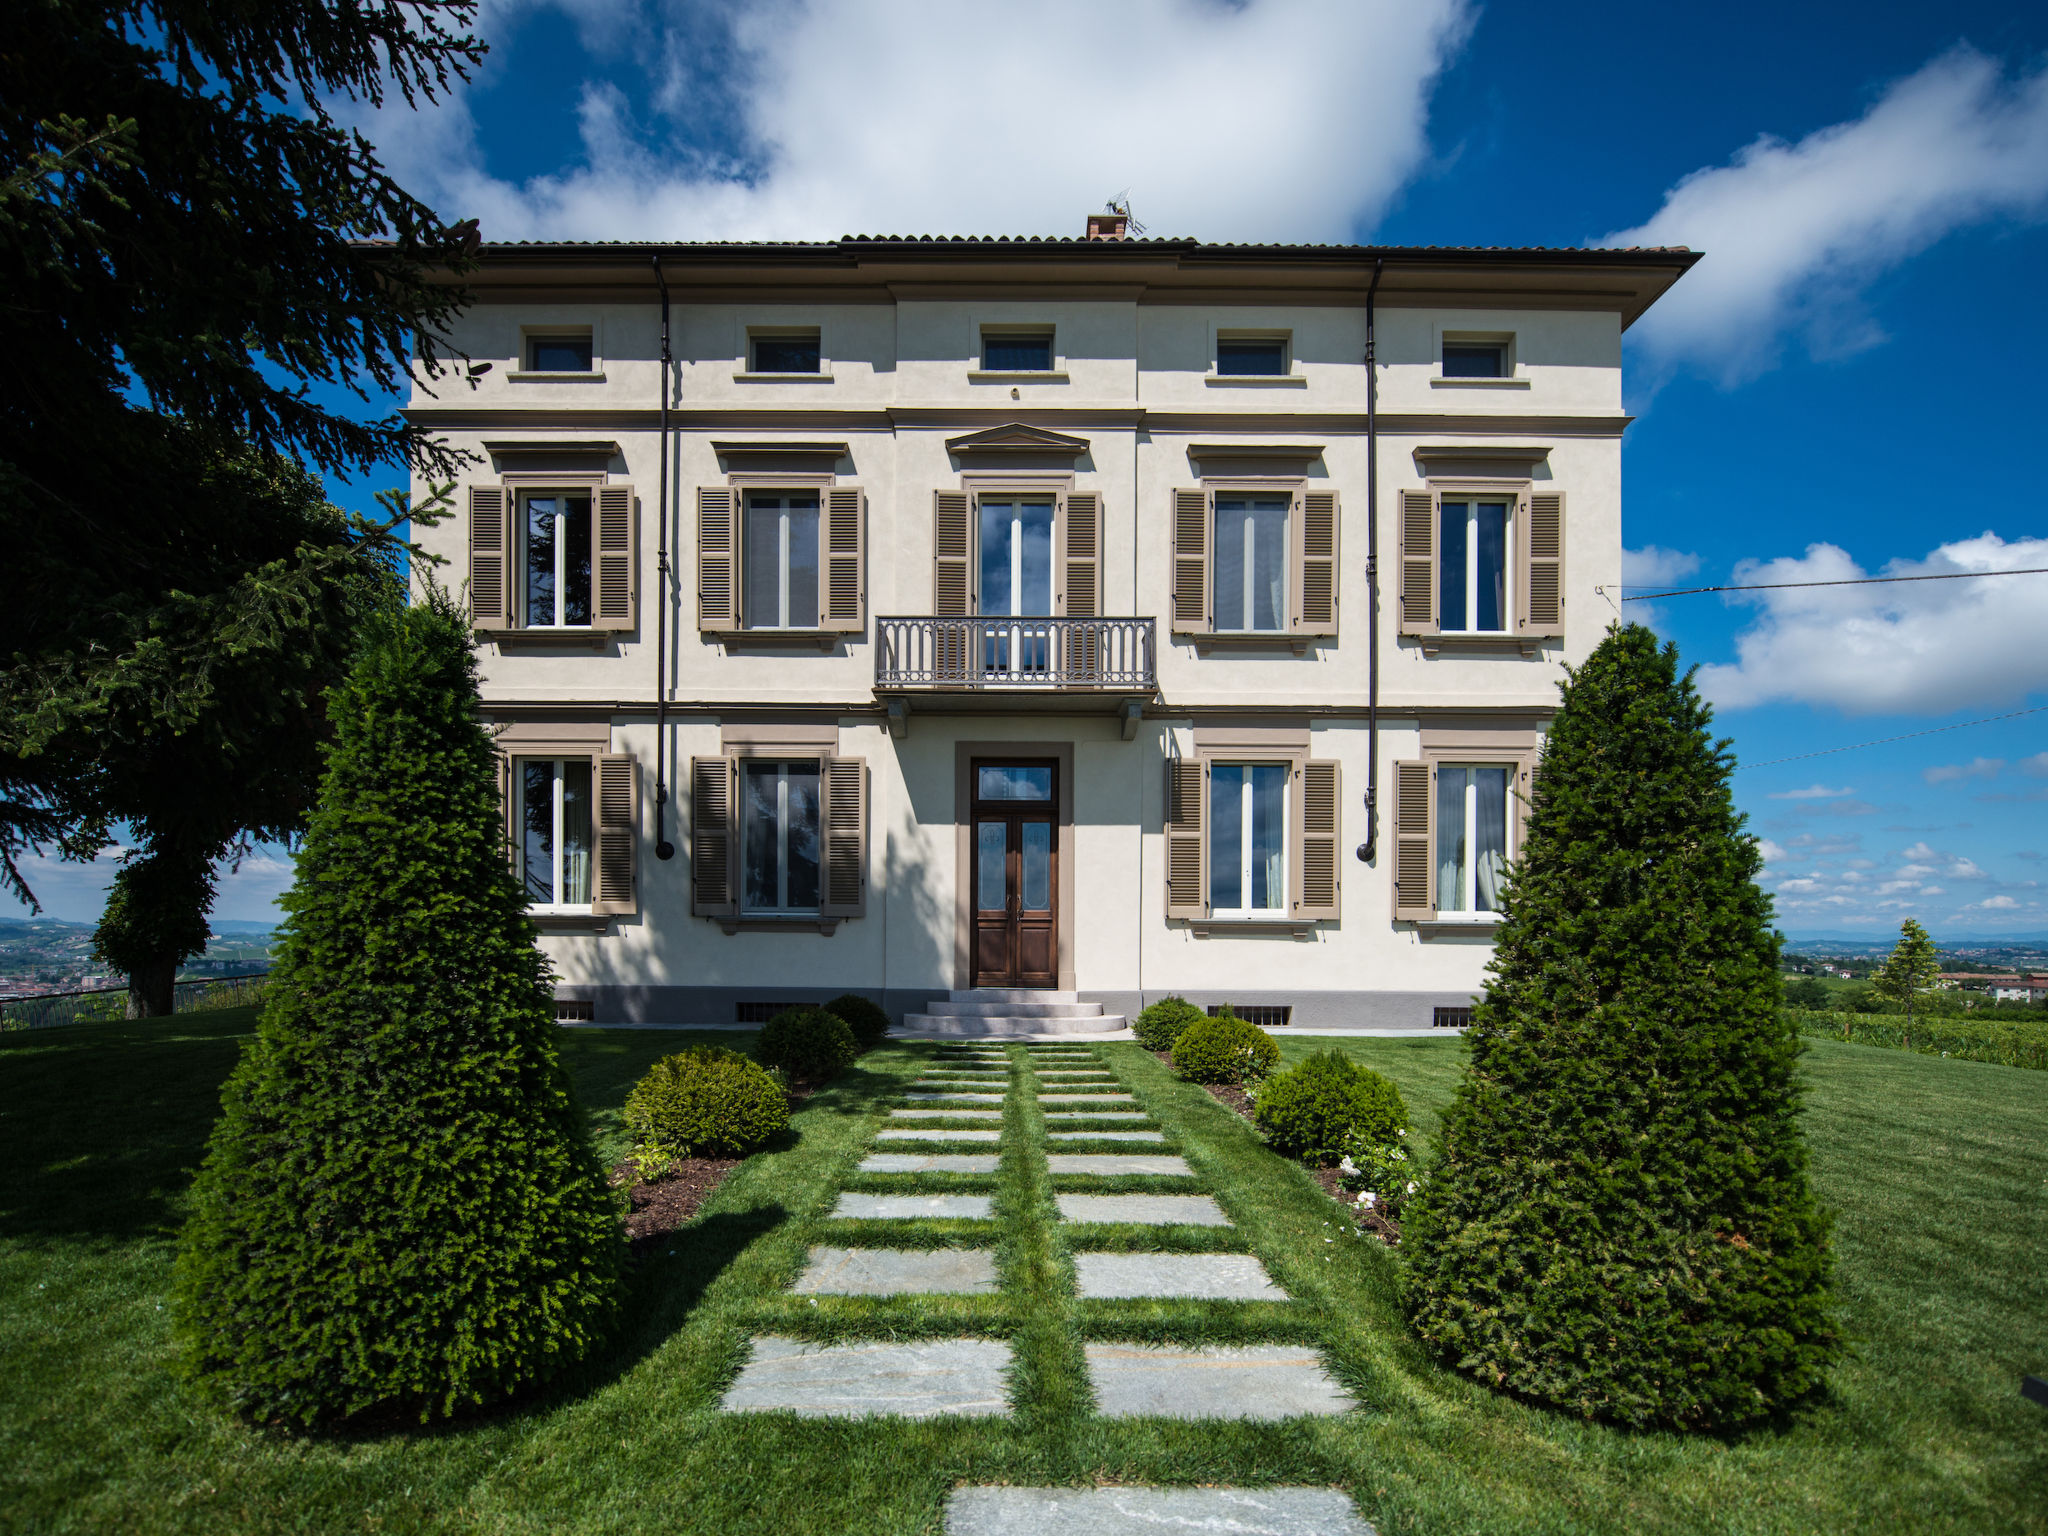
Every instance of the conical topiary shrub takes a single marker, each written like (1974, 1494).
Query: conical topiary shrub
(401, 1209)
(1618, 1222)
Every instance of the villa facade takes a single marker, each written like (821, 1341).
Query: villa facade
(1018, 629)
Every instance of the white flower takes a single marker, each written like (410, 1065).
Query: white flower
(1400, 1133)
(1347, 1166)
(1411, 1186)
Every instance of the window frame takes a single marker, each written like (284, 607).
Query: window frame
(1012, 485)
(746, 484)
(1222, 335)
(1455, 746)
(1296, 632)
(523, 369)
(1295, 750)
(1055, 371)
(1511, 528)
(1289, 533)
(1290, 766)
(1509, 377)
(1510, 834)
(521, 497)
(748, 762)
(518, 760)
(750, 370)
(746, 626)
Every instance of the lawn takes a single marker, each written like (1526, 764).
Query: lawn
(1938, 1169)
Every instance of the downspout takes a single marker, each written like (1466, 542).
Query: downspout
(663, 848)
(1370, 846)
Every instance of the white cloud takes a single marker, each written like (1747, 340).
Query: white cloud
(1993, 904)
(1929, 647)
(2035, 766)
(899, 117)
(1976, 768)
(1794, 233)
(1811, 792)
(1654, 567)
(1773, 853)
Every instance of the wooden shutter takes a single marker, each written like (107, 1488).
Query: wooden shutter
(1187, 842)
(1081, 555)
(616, 558)
(843, 880)
(714, 836)
(507, 807)
(1418, 563)
(1539, 576)
(1317, 821)
(949, 554)
(1414, 841)
(842, 606)
(618, 833)
(490, 558)
(718, 559)
(1315, 579)
(1191, 525)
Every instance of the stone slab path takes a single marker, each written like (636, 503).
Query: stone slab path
(1215, 1381)
(928, 1162)
(1126, 1511)
(1100, 1164)
(916, 1380)
(1215, 1276)
(894, 1271)
(912, 1207)
(1149, 1210)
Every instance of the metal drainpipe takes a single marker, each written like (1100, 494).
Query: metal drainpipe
(1370, 846)
(663, 848)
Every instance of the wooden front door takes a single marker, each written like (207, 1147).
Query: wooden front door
(1016, 874)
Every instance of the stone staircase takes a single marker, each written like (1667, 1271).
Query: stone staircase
(1011, 1012)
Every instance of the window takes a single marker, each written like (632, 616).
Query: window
(1471, 837)
(1251, 562)
(779, 837)
(1473, 567)
(571, 353)
(1016, 556)
(1251, 356)
(554, 822)
(1247, 839)
(1475, 360)
(787, 352)
(555, 532)
(780, 551)
(1016, 351)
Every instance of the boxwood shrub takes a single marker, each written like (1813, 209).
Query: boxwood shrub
(809, 1044)
(1161, 1024)
(702, 1102)
(863, 1016)
(1224, 1049)
(1308, 1111)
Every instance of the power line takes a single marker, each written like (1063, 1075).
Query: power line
(1887, 740)
(1853, 581)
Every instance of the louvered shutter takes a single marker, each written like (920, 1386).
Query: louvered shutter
(843, 880)
(1317, 820)
(1418, 563)
(1315, 579)
(1191, 525)
(618, 801)
(490, 558)
(844, 605)
(1081, 555)
(1187, 875)
(508, 808)
(1540, 547)
(714, 836)
(949, 554)
(1414, 841)
(718, 559)
(617, 583)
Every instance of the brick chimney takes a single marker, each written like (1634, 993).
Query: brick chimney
(1107, 226)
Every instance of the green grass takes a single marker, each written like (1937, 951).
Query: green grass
(1938, 1168)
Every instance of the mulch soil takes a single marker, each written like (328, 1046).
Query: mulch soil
(662, 1207)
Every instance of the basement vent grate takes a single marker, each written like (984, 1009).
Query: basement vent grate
(1265, 1015)
(570, 1011)
(1452, 1018)
(758, 1013)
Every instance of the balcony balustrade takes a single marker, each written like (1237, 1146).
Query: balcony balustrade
(1028, 655)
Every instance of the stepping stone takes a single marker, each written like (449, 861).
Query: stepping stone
(937, 1135)
(1096, 1114)
(918, 1380)
(979, 1098)
(1119, 1511)
(1208, 1276)
(945, 1114)
(928, 1162)
(1098, 1135)
(1214, 1381)
(912, 1207)
(896, 1272)
(1152, 1210)
(1084, 1098)
(1116, 1164)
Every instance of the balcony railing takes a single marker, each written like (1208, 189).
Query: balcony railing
(1032, 655)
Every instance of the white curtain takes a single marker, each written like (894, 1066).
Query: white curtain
(1450, 839)
(1490, 836)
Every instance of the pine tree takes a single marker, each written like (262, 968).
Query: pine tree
(401, 1209)
(1618, 1222)
(1910, 969)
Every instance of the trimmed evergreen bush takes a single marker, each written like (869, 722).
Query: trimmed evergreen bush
(1310, 1111)
(1224, 1049)
(1618, 1221)
(400, 1208)
(808, 1044)
(702, 1102)
(863, 1016)
(1161, 1024)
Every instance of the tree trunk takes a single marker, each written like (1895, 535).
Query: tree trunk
(151, 987)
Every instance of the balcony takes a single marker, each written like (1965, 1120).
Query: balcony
(998, 662)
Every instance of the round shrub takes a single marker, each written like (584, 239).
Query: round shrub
(702, 1102)
(863, 1016)
(1161, 1024)
(1224, 1049)
(807, 1043)
(1310, 1110)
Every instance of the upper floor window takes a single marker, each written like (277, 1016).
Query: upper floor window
(1255, 560)
(779, 836)
(1247, 839)
(555, 534)
(1471, 837)
(779, 549)
(1475, 360)
(566, 352)
(1251, 562)
(553, 817)
(1017, 350)
(1251, 356)
(786, 352)
(1473, 567)
(1016, 555)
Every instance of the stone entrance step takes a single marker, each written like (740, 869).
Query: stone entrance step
(1009, 1012)
(1119, 1511)
(918, 1380)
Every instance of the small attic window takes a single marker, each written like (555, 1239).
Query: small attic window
(1016, 351)
(1258, 357)
(559, 352)
(1475, 360)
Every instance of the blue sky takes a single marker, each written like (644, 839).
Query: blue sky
(1850, 383)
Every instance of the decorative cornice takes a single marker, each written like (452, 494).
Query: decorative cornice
(1017, 437)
